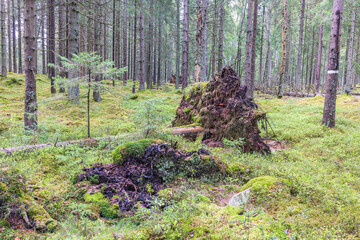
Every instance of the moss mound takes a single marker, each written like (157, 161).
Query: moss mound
(131, 149)
(19, 210)
(222, 108)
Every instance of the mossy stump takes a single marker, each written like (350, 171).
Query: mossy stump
(223, 110)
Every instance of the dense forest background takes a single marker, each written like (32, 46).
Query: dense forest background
(149, 38)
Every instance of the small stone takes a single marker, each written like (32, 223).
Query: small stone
(240, 198)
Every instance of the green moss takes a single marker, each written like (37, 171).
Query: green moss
(107, 210)
(93, 198)
(187, 110)
(103, 188)
(4, 223)
(3, 127)
(262, 183)
(134, 149)
(94, 179)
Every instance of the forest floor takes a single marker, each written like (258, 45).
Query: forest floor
(321, 165)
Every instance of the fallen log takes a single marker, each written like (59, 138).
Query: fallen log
(186, 131)
(299, 94)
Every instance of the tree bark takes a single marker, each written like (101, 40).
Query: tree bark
(178, 43)
(283, 51)
(73, 88)
(204, 71)
(213, 58)
(318, 65)
(298, 71)
(134, 53)
(9, 35)
(253, 50)
(14, 37)
(30, 115)
(19, 37)
(150, 46)
(221, 37)
(97, 48)
(142, 49)
(333, 65)
(125, 42)
(199, 40)
(43, 50)
(61, 41)
(249, 30)
(349, 79)
(262, 45)
(51, 43)
(185, 46)
(3, 41)
(159, 50)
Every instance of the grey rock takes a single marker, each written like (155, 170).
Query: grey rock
(240, 198)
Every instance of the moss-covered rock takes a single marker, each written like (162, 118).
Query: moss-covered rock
(93, 198)
(131, 149)
(15, 199)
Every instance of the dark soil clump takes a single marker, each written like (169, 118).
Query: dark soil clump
(223, 110)
(139, 178)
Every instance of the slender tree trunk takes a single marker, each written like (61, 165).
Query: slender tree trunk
(185, 46)
(97, 41)
(142, 49)
(318, 65)
(312, 58)
(221, 37)
(333, 65)
(178, 43)
(283, 52)
(43, 50)
(298, 71)
(159, 49)
(253, 50)
(213, 58)
(262, 45)
(125, 42)
(155, 55)
(9, 35)
(199, 40)
(31, 107)
(239, 47)
(249, 30)
(150, 46)
(51, 43)
(205, 41)
(73, 91)
(134, 54)
(349, 79)
(61, 41)
(19, 37)
(14, 37)
(3, 41)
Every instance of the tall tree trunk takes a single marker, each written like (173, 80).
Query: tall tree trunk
(142, 49)
(298, 71)
(185, 46)
(124, 64)
(43, 50)
(178, 43)
(61, 41)
(97, 48)
(333, 65)
(221, 37)
(9, 35)
(150, 46)
(262, 45)
(159, 51)
(312, 58)
(318, 65)
(51, 43)
(283, 51)
(155, 55)
(113, 36)
(249, 30)
(134, 53)
(213, 58)
(253, 50)
(14, 37)
(3, 41)
(31, 107)
(349, 79)
(239, 47)
(73, 88)
(205, 41)
(19, 37)
(199, 40)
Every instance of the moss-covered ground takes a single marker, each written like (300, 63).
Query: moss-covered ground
(310, 190)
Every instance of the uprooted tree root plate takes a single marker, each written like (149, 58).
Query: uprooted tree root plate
(140, 175)
(223, 110)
